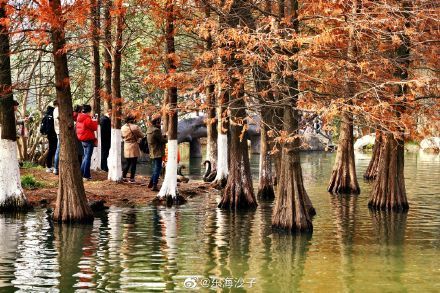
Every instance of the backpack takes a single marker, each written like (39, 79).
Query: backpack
(47, 125)
(143, 146)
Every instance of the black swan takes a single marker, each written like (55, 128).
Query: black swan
(180, 176)
(209, 175)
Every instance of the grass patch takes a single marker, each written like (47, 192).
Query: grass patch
(29, 182)
(31, 165)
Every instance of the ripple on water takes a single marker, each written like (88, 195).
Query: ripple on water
(155, 249)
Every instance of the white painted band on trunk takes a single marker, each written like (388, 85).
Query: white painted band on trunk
(169, 186)
(10, 183)
(114, 160)
(222, 160)
(96, 156)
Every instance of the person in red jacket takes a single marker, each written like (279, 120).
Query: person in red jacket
(85, 131)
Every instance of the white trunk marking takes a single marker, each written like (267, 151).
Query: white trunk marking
(114, 160)
(10, 183)
(222, 160)
(96, 156)
(169, 186)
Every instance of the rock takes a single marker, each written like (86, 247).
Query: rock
(412, 147)
(314, 142)
(364, 141)
(430, 144)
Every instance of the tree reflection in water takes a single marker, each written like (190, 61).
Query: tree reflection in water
(344, 208)
(390, 228)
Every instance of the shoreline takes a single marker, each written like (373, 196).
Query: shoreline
(99, 188)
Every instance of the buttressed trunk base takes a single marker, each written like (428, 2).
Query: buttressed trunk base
(293, 208)
(265, 186)
(343, 179)
(371, 172)
(389, 188)
(238, 193)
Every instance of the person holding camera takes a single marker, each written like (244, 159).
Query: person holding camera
(86, 125)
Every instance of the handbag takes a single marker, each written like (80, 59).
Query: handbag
(143, 143)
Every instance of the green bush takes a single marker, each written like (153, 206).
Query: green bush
(29, 182)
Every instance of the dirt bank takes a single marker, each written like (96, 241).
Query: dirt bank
(117, 194)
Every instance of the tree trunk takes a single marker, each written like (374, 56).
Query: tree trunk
(211, 147)
(222, 144)
(71, 204)
(12, 197)
(389, 187)
(343, 179)
(96, 69)
(107, 55)
(293, 208)
(114, 158)
(265, 184)
(168, 192)
(95, 28)
(371, 172)
(238, 193)
(165, 116)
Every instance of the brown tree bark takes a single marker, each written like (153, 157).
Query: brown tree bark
(371, 172)
(7, 116)
(71, 204)
(293, 208)
(238, 193)
(165, 116)
(96, 68)
(166, 193)
(389, 187)
(265, 183)
(107, 55)
(116, 69)
(343, 179)
(262, 77)
(389, 191)
(211, 128)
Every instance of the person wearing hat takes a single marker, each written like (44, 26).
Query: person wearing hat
(156, 144)
(131, 134)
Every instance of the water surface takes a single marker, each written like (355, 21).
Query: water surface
(151, 248)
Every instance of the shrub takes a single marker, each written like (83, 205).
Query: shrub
(29, 182)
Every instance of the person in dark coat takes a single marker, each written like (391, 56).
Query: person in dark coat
(105, 124)
(156, 143)
(52, 139)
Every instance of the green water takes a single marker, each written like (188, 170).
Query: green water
(154, 249)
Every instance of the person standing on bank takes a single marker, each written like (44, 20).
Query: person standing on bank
(20, 130)
(105, 124)
(156, 144)
(47, 128)
(85, 131)
(131, 134)
(56, 124)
